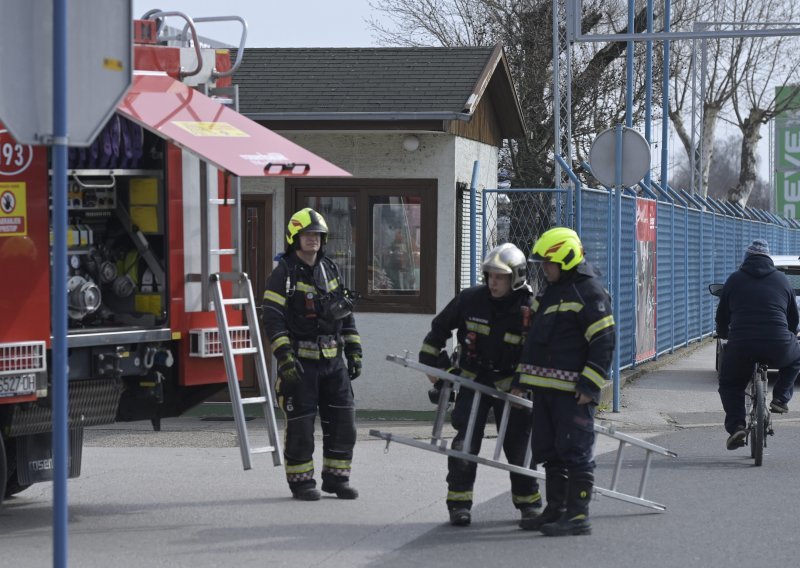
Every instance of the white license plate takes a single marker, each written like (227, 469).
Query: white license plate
(16, 385)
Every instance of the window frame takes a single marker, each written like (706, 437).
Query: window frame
(362, 190)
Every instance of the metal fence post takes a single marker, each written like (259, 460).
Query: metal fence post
(473, 215)
(578, 193)
(617, 264)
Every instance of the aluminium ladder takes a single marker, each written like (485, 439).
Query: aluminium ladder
(252, 347)
(439, 445)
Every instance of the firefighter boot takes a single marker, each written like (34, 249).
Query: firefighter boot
(531, 510)
(576, 519)
(307, 493)
(528, 512)
(555, 487)
(460, 517)
(342, 489)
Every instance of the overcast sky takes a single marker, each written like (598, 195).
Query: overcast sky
(276, 23)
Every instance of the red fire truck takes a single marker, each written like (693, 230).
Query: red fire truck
(152, 217)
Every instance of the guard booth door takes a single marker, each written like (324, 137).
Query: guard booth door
(256, 226)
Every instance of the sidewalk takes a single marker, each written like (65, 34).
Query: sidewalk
(678, 392)
(675, 391)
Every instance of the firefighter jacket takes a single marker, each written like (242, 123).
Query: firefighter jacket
(490, 334)
(571, 340)
(298, 313)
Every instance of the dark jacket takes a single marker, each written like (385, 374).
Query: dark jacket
(490, 334)
(295, 315)
(757, 303)
(571, 341)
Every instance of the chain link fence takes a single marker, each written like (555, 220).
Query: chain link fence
(519, 216)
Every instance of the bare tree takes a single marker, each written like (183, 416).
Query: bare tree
(767, 64)
(740, 76)
(525, 29)
(723, 173)
(419, 23)
(737, 70)
(721, 59)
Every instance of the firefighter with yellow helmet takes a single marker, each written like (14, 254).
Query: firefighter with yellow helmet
(491, 320)
(309, 322)
(565, 362)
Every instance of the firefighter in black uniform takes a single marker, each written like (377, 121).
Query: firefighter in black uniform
(491, 320)
(309, 322)
(565, 363)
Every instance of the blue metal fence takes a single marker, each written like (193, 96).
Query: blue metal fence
(628, 280)
(698, 241)
(696, 245)
(665, 277)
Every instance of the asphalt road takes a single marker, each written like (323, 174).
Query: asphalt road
(180, 498)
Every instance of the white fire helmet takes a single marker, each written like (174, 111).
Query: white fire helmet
(506, 259)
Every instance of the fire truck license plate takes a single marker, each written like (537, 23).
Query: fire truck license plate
(15, 385)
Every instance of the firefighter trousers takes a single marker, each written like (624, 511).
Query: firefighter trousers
(325, 388)
(563, 432)
(461, 473)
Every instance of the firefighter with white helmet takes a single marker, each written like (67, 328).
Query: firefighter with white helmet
(309, 322)
(565, 362)
(491, 321)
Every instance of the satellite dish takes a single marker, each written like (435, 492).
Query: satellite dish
(635, 157)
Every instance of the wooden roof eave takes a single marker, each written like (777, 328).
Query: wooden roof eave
(501, 88)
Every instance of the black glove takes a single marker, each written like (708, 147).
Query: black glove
(289, 370)
(435, 392)
(354, 366)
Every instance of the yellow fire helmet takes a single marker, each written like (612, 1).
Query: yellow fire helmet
(306, 220)
(560, 245)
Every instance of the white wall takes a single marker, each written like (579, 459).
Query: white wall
(384, 385)
(467, 151)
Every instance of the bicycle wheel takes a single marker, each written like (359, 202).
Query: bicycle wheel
(750, 410)
(759, 420)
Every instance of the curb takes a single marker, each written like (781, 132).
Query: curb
(222, 410)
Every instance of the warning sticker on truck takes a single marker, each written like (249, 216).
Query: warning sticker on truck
(13, 212)
(220, 129)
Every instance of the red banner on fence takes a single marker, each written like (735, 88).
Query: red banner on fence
(646, 279)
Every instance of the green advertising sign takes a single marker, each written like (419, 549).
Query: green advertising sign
(787, 154)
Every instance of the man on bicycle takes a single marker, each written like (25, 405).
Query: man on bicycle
(758, 316)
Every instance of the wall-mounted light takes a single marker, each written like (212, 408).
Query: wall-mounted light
(410, 143)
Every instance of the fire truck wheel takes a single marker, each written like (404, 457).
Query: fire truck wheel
(3, 469)
(12, 485)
